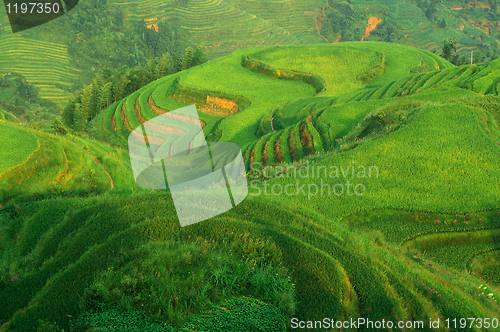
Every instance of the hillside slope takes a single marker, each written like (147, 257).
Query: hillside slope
(381, 196)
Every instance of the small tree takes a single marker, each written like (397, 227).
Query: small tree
(165, 67)
(187, 59)
(59, 127)
(442, 23)
(199, 56)
(450, 50)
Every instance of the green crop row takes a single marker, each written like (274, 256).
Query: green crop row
(131, 116)
(295, 144)
(314, 80)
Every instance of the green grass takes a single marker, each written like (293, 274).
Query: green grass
(18, 145)
(343, 64)
(103, 235)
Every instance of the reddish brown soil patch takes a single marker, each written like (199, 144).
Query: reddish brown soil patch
(184, 119)
(154, 108)
(278, 154)
(155, 140)
(179, 117)
(370, 26)
(306, 139)
(124, 117)
(138, 114)
(64, 171)
(153, 26)
(265, 155)
(212, 105)
(224, 103)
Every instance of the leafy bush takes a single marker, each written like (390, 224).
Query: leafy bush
(170, 281)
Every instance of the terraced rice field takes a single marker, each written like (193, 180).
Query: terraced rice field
(44, 64)
(294, 16)
(60, 164)
(226, 75)
(331, 119)
(218, 24)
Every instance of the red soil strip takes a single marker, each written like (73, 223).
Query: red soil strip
(306, 139)
(153, 26)
(113, 122)
(124, 117)
(278, 155)
(110, 180)
(154, 108)
(184, 119)
(64, 172)
(208, 107)
(150, 138)
(166, 130)
(265, 155)
(467, 48)
(224, 103)
(155, 140)
(179, 117)
(109, 176)
(292, 147)
(138, 114)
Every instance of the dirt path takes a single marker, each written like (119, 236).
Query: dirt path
(154, 108)
(138, 114)
(64, 171)
(124, 117)
(110, 179)
(179, 117)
